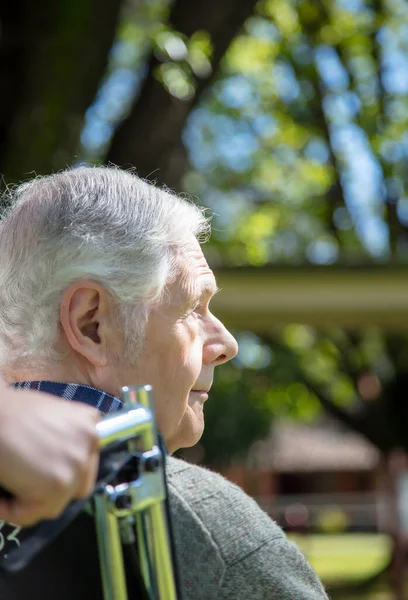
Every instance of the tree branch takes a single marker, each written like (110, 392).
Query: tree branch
(150, 138)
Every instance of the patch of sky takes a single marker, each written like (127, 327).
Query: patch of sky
(397, 110)
(113, 100)
(322, 252)
(227, 207)
(387, 38)
(317, 150)
(95, 135)
(391, 151)
(263, 29)
(237, 92)
(252, 353)
(330, 68)
(284, 155)
(403, 30)
(362, 184)
(376, 237)
(117, 94)
(213, 138)
(193, 131)
(204, 159)
(264, 125)
(126, 53)
(354, 6)
(235, 148)
(395, 73)
(198, 139)
(398, 7)
(287, 86)
(341, 108)
(285, 244)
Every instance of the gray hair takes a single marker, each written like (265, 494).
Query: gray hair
(95, 223)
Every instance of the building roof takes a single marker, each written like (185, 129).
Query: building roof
(308, 448)
(260, 298)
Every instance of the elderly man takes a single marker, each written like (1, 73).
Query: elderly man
(102, 284)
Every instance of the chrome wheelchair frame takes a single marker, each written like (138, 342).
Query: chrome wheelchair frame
(136, 505)
(129, 507)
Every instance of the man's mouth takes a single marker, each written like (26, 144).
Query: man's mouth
(203, 394)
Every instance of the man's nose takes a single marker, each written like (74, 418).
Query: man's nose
(224, 345)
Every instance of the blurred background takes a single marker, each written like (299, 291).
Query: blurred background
(288, 119)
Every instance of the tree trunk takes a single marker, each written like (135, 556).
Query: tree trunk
(52, 58)
(150, 138)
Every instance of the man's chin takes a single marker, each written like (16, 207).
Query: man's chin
(190, 430)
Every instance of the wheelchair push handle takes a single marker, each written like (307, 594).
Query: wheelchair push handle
(123, 425)
(120, 427)
(128, 504)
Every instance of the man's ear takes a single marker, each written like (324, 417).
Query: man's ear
(85, 318)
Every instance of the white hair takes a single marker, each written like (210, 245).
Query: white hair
(95, 223)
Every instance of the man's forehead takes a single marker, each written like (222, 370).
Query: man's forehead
(196, 276)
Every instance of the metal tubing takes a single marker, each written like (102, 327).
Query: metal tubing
(161, 555)
(110, 550)
(136, 420)
(141, 395)
(124, 425)
(143, 543)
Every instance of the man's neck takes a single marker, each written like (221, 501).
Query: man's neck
(44, 371)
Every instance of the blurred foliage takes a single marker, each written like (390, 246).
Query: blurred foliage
(300, 142)
(293, 373)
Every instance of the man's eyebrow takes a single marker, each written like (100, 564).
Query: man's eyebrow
(209, 289)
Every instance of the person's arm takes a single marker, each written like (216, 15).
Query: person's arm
(49, 454)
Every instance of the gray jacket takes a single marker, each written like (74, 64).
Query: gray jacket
(227, 547)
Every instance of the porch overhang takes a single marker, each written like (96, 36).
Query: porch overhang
(262, 298)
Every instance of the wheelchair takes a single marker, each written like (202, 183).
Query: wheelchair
(129, 509)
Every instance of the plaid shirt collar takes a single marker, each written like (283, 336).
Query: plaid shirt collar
(77, 392)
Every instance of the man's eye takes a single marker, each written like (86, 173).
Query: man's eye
(188, 312)
(196, 310)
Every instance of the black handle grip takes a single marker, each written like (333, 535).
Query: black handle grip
(41, 535)
(38, 537)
